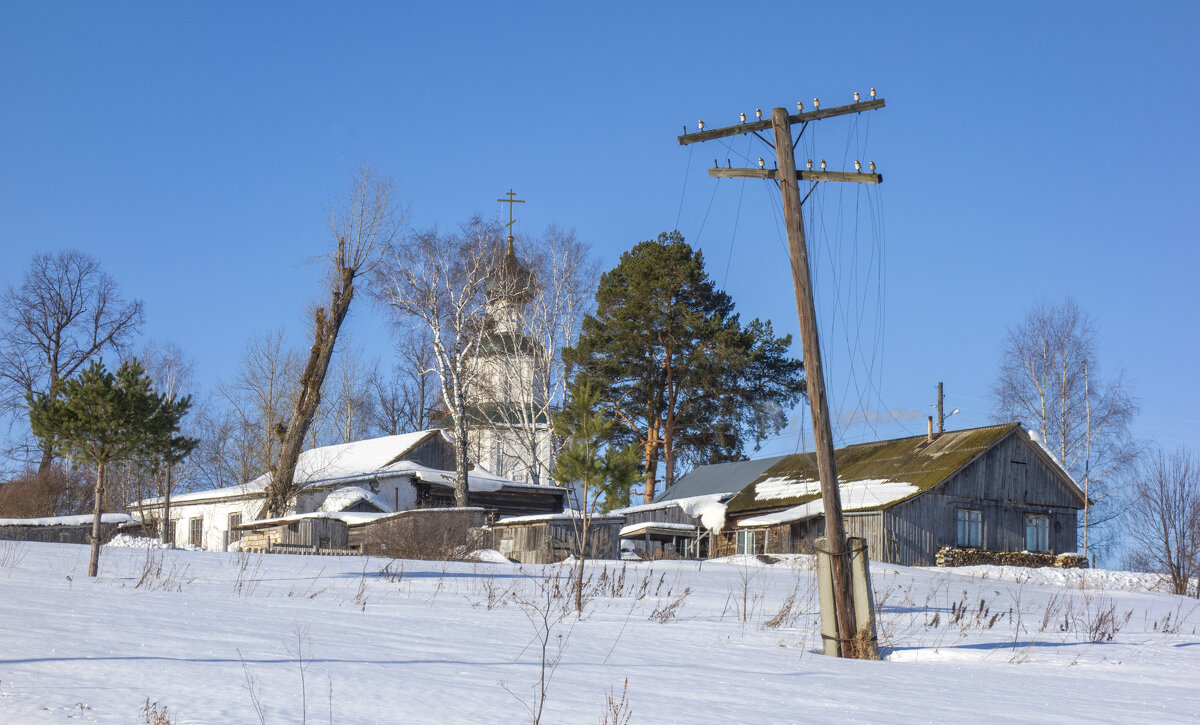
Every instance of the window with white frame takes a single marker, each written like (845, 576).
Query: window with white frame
(970, 528)
(1037, 533)
(745, 542)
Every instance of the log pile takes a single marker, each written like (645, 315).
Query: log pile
(950, 556)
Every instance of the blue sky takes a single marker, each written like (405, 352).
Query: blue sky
(1030, 151)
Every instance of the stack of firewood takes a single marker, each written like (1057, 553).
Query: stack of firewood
(950, 556)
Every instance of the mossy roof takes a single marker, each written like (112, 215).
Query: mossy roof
(912, 460)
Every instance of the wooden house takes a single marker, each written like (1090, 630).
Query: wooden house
(380, 475)
(990, 489)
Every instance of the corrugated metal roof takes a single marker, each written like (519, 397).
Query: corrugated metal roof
(718, 478)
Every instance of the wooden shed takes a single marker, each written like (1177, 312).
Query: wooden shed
(431, 533)
(989, 489)
(314, 533)
(64, 529)
(549, 538)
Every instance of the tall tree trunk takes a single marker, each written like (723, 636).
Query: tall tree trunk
(461, 484)
(166, 521)
(97, 508)
(283, 487)
(650, 459)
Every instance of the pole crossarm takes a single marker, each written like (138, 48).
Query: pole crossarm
(801, 175)
(753, 126)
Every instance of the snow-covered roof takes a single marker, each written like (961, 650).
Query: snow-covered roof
(709, 508)
(343, 498)
(856, 496)
(653, 526)
(68, 520)
(564, 516)
(348, 517)
(345, 462)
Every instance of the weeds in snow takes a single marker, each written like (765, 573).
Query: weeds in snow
(247, 576)
(617, 711)
(11, 553)
(666, 612)
(157, 578)
(545, 608)
(155, 714)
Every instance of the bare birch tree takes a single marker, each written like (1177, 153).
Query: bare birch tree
(350, 405)
(1048, 381)
(364, 226)
(66, 313)
(1164, 517)
(439, 282)
(563, 295)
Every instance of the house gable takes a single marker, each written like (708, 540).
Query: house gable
(914, 461)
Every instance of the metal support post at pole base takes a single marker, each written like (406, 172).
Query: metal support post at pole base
(861, 644)
(866, 642)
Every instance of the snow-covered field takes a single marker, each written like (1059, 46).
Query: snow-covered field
(235, 638)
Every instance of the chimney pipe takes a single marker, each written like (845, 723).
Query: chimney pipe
(941, 417)
(931, 429)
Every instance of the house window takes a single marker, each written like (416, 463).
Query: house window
(197, 532)
(235, 520)
(1037, 533)
(970, 528)
(745, 542)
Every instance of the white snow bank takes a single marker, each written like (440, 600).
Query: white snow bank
(488, 556)
(68, 520)
(855, 495)
(125, 541)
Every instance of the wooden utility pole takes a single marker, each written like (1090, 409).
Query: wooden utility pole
(787, 175)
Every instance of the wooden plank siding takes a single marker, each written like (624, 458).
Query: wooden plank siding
(1007, 482)
(433, 452)
(1013, 478)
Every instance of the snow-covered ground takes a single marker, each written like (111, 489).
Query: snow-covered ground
(241, 638)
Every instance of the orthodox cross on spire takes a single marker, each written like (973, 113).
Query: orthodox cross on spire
(510, 201)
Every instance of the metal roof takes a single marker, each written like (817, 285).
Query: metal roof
(718, 478)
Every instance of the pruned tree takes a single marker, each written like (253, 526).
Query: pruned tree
(1049, 381)
(674, 364)
(364, 226)
(438, 282)
(1164, 517)
(66, 313)
(103, 418)
(589, 466)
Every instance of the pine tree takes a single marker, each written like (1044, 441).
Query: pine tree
(602, 474)
(673, 363)
(103, 418)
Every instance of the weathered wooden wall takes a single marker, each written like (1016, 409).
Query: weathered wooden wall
(667, 515)
(58, 534)
(1005, 483)
(433, 452)
(547, 542)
